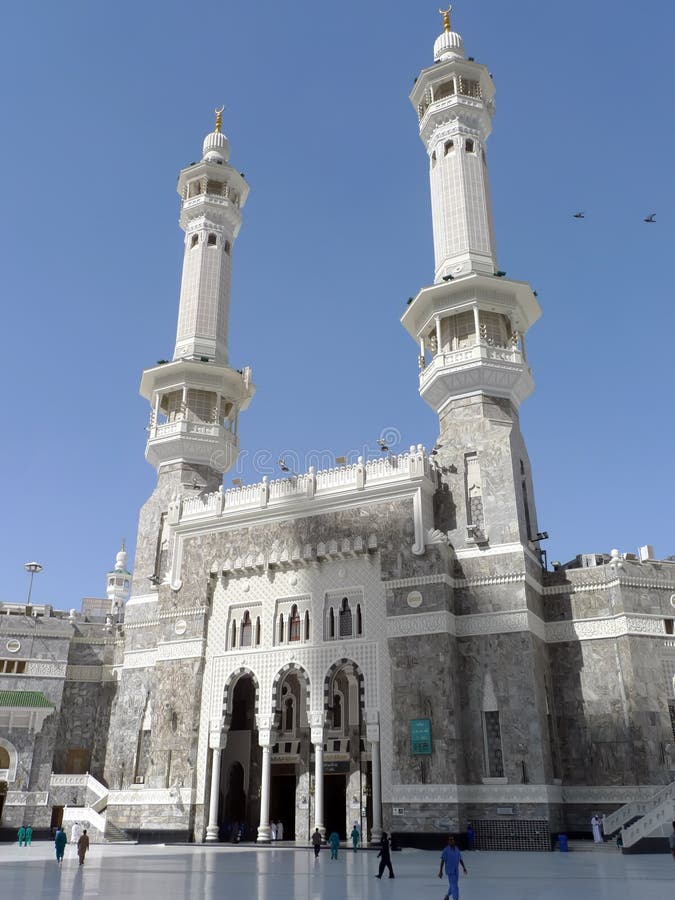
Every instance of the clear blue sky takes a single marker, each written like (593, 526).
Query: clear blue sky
(104, 103)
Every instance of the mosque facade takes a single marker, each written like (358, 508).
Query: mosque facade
(376, 643)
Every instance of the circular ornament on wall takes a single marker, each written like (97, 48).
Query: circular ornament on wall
(246, 587)
(180, 627)
(341, 573)
(672, 599)
(13, 645)
(414, 599)
(293, 579)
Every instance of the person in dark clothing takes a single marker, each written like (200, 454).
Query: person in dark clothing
(316, 842)
(82, 846)
(60, 841)
(385, 857)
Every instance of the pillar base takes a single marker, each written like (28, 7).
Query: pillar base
(212, 834)
(264, 835)
(375, 837)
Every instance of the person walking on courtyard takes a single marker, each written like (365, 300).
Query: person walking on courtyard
(316, 842)
(385, 857)
(29, 835)
(334, 841)
(75, 833)
(355, 837)
(280, 830)
(60, 841)
(21, 834)
(452, 859)
(595, 825)
(273, 830)
(671, 841)
(82, 846)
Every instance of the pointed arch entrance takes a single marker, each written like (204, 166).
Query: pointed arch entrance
(346, 762)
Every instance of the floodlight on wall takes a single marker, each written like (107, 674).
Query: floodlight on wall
(341, 460)
(237, 482)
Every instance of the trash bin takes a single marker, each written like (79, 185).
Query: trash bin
(562, 843)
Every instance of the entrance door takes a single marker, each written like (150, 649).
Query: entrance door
(57, 818)
(335, 804)
(282, 801)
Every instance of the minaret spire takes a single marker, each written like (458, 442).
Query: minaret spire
(197, 397)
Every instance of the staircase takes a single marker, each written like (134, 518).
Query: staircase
(656, 822)
(621, 817)
(92, 817)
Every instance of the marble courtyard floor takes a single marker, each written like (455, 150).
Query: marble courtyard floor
(250, 873)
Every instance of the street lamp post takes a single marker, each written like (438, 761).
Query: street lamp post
(34, 568)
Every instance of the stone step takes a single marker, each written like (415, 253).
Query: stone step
(592, 847)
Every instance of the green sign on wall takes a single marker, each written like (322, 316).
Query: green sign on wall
(420, 737)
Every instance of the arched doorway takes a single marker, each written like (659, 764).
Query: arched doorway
(290, 774)
(240, 763)
(345, 767)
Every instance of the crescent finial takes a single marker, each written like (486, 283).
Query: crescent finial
(446, 17)
(219, 119)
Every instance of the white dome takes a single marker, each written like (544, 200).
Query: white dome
(447, 45)
(216, 147)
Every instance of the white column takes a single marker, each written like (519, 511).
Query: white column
(318, 787)
(476, 321)
(212, 828)
(373, 738)
(376, 833)
(437, 320)
(264, 834)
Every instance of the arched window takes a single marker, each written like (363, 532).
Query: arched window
(433, 159)
(281, 628)
(331, 624)
(359, 621)
(337, 711)
(194, 240)
(469, 145)
(289, 715)
(246, 629)
(4, 758)
(294, 625)
(227, 246)
(345, 619)
(233, 642)
(257, 631)
(307, 625)
(448, 146)
(212, 240)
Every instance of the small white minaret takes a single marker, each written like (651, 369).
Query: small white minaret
(119, 582)
(470, 324)
(197, 397)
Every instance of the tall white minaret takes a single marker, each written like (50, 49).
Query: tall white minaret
(197, 397)
(470, 324)
(118, 583)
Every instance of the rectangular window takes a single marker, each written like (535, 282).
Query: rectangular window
(458, 332)
(492, 329)
(447, 89)
(492, 737)
(202, 406)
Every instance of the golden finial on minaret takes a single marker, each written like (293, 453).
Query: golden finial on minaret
(446, 17)
(219, 119)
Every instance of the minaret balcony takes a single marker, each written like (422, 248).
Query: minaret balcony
(484, 368)
(208, 443)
